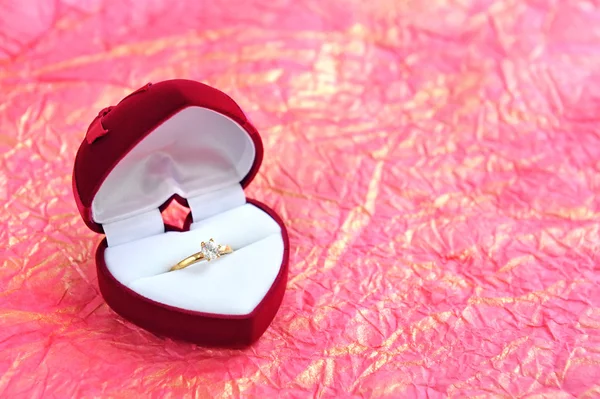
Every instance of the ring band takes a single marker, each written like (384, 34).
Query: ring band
(210, 250)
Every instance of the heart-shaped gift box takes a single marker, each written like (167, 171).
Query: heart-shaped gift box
(187, 141)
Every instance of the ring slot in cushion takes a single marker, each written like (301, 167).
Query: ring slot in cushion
(232, 285)
(256, 238)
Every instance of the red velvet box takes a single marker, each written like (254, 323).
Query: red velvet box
(182, 140)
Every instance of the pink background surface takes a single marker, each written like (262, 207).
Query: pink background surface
(436, 163)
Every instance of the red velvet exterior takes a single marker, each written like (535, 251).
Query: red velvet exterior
(112, 134)
(196, 327)
(116, 130)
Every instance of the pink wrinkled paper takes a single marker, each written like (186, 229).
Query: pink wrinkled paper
(436, 163)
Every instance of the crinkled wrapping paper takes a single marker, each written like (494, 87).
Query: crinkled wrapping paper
(436, 163)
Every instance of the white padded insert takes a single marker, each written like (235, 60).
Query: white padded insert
(215, 202)
(202, 156)
(196, 151)
(151, 223)
(231, 285)
(134, 228)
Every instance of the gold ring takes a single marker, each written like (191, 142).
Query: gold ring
(209, 251)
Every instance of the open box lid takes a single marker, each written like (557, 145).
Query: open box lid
(177, 137)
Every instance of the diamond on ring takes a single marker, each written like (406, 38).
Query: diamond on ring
(210, 250)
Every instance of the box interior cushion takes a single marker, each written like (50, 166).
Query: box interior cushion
(196, 151)
(231, 285)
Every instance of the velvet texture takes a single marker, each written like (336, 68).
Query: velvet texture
(110, 136)
(117, 129)
(196, 327)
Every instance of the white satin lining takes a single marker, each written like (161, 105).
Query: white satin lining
(196, 151)
(233, 284)
(202, 156)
